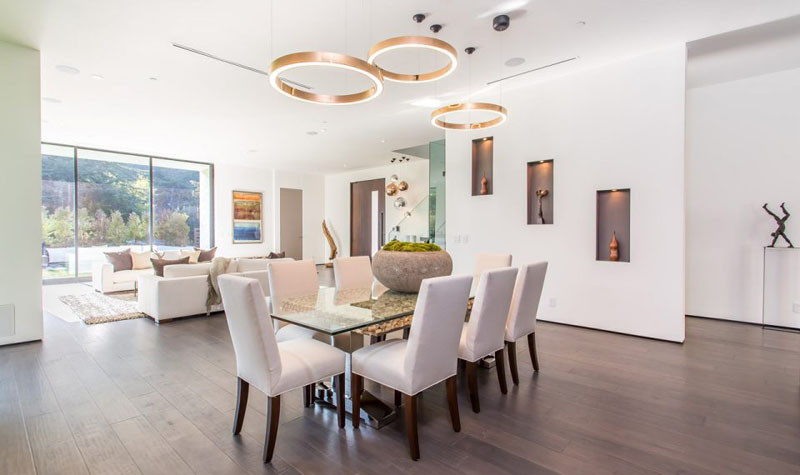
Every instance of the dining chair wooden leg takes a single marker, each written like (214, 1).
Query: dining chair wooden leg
(411, 425)
(398, 397)
(305, 397)
(273, 417)
(340, 399)
(501, 370)
(312, 394)
(512, 361)
(532, 350)
(452, 402)
(472, 383)
(406, 332)
(355, 397)
(242, 391)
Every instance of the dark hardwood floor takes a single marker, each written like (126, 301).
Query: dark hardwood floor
(131, 397)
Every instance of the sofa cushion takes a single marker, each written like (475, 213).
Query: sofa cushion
(121, 260)
(249, 265)
(159, 264)
(140, 260)
(194, 256)
(186, 270)
(129, 275)
(206, 255)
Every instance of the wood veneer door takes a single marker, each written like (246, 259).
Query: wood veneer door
(367, 216)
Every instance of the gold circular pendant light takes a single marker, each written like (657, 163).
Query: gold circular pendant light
(420, 42)
(438, 115)
(331, 60)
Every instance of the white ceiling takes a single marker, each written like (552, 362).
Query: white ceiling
(204, 110)
(754, 51)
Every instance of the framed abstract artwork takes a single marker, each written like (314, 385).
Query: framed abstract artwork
(247, 206)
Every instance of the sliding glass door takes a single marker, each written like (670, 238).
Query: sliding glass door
(117, 196)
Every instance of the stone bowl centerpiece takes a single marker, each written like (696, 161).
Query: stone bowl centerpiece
(402, 266)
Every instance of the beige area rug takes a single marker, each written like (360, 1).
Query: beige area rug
(95, 307)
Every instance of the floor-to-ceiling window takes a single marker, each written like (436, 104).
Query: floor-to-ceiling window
(97, 201)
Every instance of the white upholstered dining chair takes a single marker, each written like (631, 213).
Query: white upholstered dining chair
(522, 314)
(273, 368)
(289, 279)
(428, 357)
(484, 262)
(356, 273)
(483, 334)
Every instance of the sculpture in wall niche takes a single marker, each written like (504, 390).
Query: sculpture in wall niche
(541, 193)
(402, 186)
(484, 185)
(613, 248)
(331, 244)
(391, 189)
(781, 231)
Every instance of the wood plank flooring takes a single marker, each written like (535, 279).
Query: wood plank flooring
(133, 397)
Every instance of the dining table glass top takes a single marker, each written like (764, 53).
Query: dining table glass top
(333, 311)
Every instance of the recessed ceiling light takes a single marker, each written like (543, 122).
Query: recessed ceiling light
(67, 69)
(312, 132)
(323, 130)
(516, 61)
(383, 140)
(345, 165)
(51, 100)
(252, 150)
(581, 23)
(98, 77)
(153, 78)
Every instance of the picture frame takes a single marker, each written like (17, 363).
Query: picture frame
(247, 217)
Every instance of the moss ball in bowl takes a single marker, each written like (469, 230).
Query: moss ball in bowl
(402, 266)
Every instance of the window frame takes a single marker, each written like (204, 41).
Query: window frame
(151, 232)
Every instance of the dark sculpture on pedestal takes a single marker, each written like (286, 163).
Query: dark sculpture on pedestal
(541, 193)
(780, 232)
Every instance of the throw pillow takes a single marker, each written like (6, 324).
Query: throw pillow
(121, 260)
(140, 260)
(206, 255)
(193, 256)
(159, 264)
(276, 255)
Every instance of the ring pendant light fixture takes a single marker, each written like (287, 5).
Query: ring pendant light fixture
(416, 42)
(325, 59)
(438, 116)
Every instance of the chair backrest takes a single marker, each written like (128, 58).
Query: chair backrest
(292, 279)
(257, 358)
(525, 302)
(352, 272)
(484, 262)
(432, 353)
(487, 322)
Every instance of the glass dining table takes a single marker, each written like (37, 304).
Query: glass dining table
(345, 317)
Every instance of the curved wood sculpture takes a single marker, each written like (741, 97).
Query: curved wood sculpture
(334, 249)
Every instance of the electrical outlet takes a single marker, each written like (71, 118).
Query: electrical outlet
(796, 307)
(553, 302)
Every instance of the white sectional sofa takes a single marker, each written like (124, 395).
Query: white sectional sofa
(183, 290)
(105, 280)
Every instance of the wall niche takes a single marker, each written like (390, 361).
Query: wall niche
(482, 157)
(614, 218)
(540, 192)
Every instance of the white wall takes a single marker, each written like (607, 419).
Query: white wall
(313, 187)
(742, 150)
(20, 191)
(337, 198)
(619, 126)
(267, 181)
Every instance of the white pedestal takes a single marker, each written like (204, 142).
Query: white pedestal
(781, 306)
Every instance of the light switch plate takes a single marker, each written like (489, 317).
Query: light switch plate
(7, 320)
